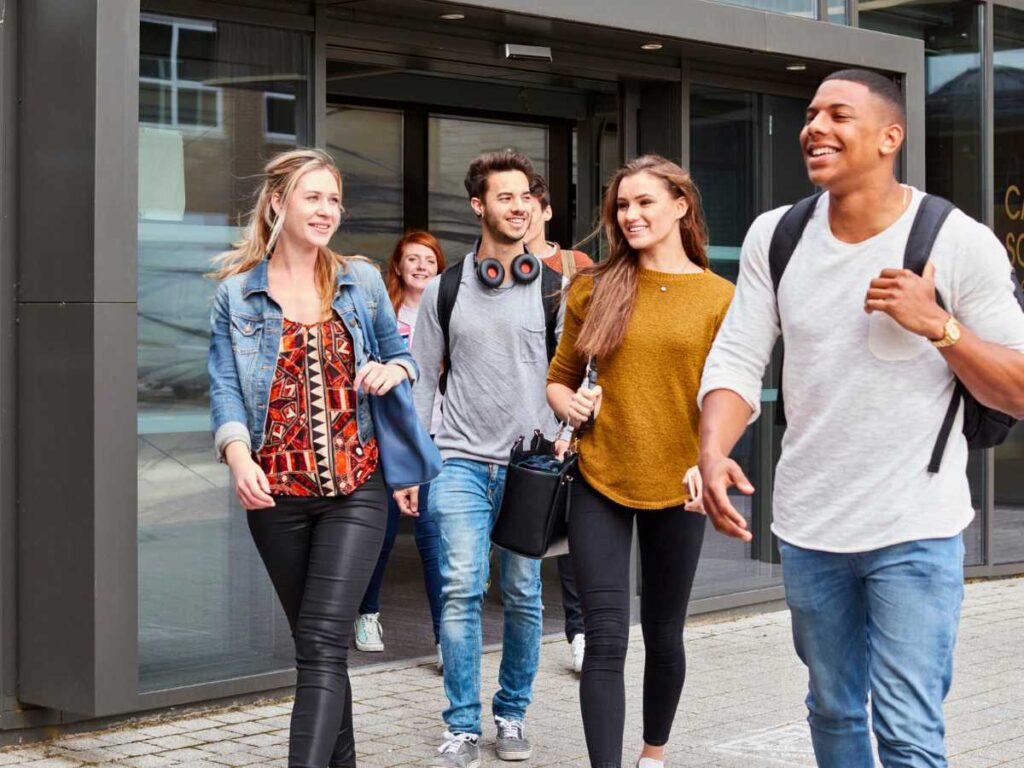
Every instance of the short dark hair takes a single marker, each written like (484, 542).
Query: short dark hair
(539, 189)
(495, 162)
(880, 85)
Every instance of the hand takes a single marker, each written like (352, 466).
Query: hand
(584, 403)
(909, 300)
(408, 501)
(379, 379)
(251, 485)
(561, 446)
(720, 472)
(695, 485)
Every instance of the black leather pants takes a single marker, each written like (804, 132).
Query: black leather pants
(320, 553)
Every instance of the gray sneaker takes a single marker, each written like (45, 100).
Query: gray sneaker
(511, 743)
(459, 750)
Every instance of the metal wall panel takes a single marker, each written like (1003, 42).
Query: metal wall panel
(76, 369)
(58, 113)
(8, 244)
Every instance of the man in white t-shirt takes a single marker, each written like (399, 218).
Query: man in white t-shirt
(871, 540)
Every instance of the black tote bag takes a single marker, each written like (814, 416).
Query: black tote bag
(534, 517)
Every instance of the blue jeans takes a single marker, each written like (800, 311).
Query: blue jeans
(465, 499)
(883, 621)
(427, 537)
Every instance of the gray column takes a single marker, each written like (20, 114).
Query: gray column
(8, 244)
(76, 445)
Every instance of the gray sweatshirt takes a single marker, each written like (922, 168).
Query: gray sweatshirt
(496, 387)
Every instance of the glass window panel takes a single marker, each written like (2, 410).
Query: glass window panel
(208, 109)
(155, 104)
(454, 142)
(724, 126)
(367, 146)
(189, 110)
(155, 50)
(195, 54)
(1008, 86)
(805, 8)
(281, 115)
(951, 33)
(207, 611)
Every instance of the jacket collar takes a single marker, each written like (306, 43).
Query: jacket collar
(256, 279)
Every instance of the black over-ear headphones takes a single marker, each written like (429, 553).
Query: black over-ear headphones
(525, 269)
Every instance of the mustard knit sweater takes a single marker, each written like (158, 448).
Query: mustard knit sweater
(646, 435)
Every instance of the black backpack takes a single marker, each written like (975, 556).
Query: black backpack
(984, 427)
(448, 292)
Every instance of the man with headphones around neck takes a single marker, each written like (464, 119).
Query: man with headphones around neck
(495, 392)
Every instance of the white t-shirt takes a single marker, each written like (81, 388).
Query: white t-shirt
(406, 328)
(864, 398)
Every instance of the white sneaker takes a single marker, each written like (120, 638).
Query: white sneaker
(579, 644)
(440, 659)
(369, 634)
(649, 762)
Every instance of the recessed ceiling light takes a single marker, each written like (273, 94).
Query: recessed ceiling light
(796, 67)
(453, 16)
(652, 46)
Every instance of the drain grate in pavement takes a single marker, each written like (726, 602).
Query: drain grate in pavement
(788, 744)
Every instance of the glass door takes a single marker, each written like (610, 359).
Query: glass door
(745, 159)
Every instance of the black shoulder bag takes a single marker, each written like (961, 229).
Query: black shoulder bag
(534, 516)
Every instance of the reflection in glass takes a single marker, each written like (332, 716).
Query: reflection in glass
(1008, 86)
(367, 146)
(724, 164)
(453, 143)
(951, 33)
(206, 608)
(805, 8)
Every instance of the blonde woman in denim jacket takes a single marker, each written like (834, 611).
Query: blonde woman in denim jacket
(290, 383)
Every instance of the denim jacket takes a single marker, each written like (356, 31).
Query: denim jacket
(245, 336)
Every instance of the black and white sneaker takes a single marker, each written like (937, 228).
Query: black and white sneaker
(511, 743)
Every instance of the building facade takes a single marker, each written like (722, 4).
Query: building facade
(131, 133)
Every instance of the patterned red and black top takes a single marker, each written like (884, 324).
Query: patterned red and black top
(312, 441)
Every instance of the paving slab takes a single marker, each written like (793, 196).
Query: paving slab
(742, 706)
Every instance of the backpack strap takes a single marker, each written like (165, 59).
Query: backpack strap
(551, 294)
(787, 234)
(447, 293)
(931, 215)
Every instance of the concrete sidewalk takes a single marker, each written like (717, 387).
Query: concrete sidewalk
(742, 706)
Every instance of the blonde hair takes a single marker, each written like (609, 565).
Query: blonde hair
(263, 226)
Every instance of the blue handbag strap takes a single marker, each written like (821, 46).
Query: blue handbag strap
(365, 323)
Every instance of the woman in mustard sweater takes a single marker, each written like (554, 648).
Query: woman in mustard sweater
(647, 315)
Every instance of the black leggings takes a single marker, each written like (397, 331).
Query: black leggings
(320, 553)
(600, 536)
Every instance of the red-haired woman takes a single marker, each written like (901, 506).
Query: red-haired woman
(416, 259)
(648, 322)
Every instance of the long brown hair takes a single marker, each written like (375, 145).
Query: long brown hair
(263, 226)
(396, 288)
(614, 296)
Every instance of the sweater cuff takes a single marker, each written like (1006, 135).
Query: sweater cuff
(230, 432)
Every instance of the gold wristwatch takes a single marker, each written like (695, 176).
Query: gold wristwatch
(950, 334)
